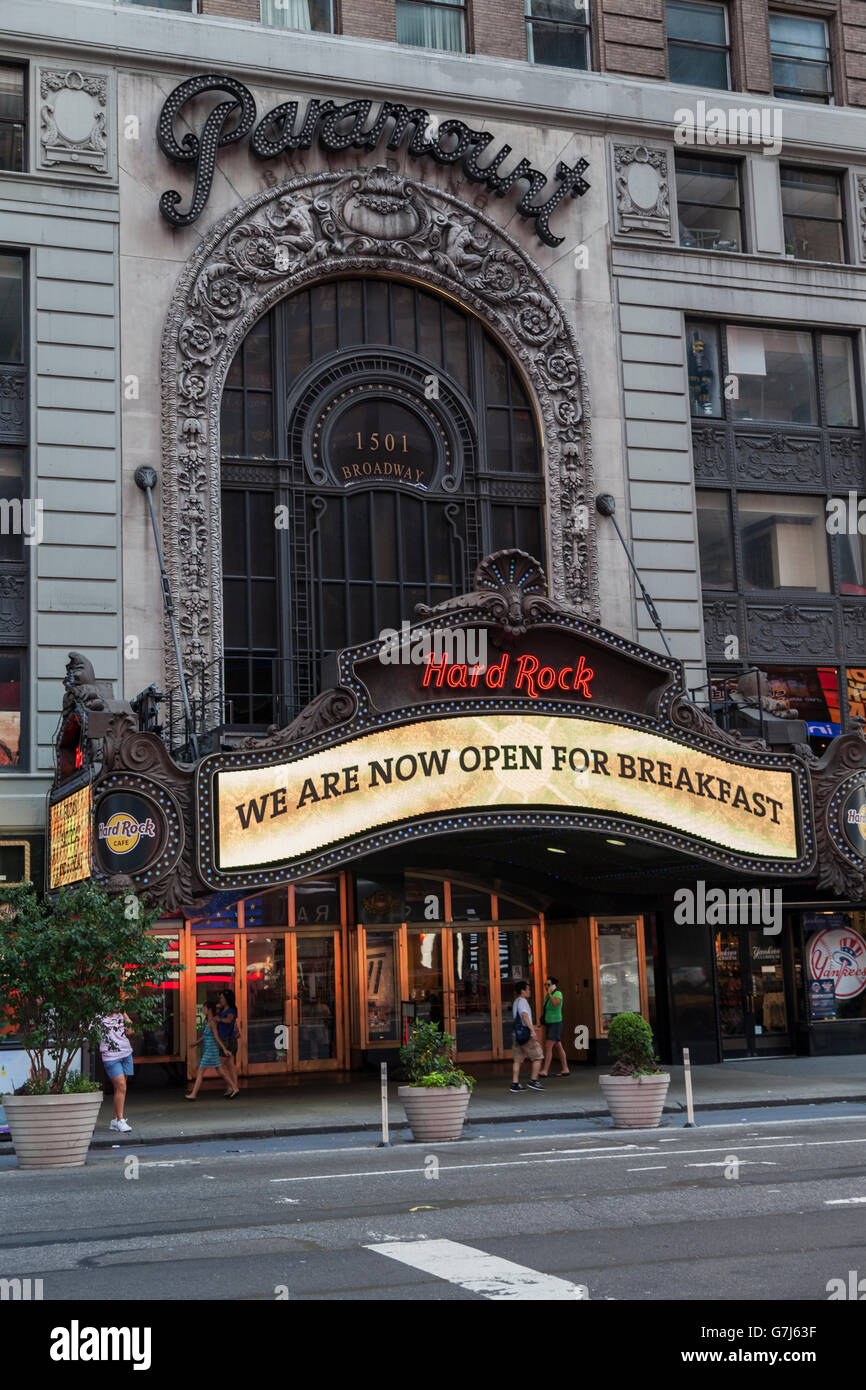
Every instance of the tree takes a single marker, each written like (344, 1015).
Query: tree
(66, 964)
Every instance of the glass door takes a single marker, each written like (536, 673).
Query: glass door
(264, 1035)
(216, 969)
(732, 1003)
(425, 974)
(471, 996)
(767, 999)
(517, 959)
(315, 1008)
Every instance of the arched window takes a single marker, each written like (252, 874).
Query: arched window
(376, 444)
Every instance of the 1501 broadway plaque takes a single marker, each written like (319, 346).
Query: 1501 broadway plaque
(441, 770)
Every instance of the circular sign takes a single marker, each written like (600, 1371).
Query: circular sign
(130, 830)
(380, 433)
(839, 954)
(854, 818)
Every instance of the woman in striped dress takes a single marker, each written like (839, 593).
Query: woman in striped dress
(212, 1050)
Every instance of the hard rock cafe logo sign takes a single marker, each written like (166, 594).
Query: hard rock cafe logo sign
(347, 127)
(122, 832)
(839, 954)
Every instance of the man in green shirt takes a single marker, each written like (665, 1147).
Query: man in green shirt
(552, 1019)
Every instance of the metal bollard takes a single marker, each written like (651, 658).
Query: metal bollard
(384, 1142)
(687, 1076)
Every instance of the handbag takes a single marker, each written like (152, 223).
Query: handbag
(521, 1032)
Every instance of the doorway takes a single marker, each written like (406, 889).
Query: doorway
(755, 1015)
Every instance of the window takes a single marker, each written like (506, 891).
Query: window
(708, 203)
(784, 542)
(557, 33)
(801, 58)
(698, 52)
(11, 706)
(359, 547)
(312, 15)
(715, 539)
(774, 375)
(190, 6)
(840, 397)
(20, 521)
(432, 24)
(704, 365)
(812, 214)
(12, 117)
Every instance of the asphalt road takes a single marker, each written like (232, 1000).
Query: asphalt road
(772, 1208)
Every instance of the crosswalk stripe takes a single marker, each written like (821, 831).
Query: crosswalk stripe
(479, 1272)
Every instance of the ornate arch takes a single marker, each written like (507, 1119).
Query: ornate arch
(313, 228)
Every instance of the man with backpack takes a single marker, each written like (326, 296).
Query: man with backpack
(525, 1046)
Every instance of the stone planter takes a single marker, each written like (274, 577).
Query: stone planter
(435, 1113)
(635, 1102)
(52, 1131)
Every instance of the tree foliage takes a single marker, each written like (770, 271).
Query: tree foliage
(66, 964)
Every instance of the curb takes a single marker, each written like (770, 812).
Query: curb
(367, 1127)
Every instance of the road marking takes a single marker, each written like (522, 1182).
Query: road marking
(844, 1201)
(168, 1162)
(571, 1157)
(480, 1273)
(654, 1169)
(741, 1162)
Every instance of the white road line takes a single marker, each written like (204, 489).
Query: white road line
(844, 1201)
(480, 1273)
(570, 1158)
(657, 1167)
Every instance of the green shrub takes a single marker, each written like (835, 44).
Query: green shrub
(66, 964)
(630, 1040)
(428, 1057)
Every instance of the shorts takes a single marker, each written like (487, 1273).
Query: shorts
(231, 1045)
(527, 1052)
(118, 1066)
(553, 1031)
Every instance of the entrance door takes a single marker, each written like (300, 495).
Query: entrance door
(518, 959)
(471, 993)
(315, 1013)
(265, 1034)
(753, 998)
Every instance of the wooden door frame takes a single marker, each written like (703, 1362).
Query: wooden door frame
(338, 1061)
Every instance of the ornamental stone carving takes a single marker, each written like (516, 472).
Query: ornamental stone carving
(800, 630)
(847, 460)
(73, 115)
(13, 406)
(641, 192)
(351, 223)
(710, 452)
(778, 458)
(861, 207)
(721, 622)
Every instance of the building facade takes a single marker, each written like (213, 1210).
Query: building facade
(379, 290)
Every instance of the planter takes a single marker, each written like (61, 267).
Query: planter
(52, 1131)
(435, 1113)
(635, 1102)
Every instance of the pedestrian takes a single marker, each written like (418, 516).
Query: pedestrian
(212, 1052)
(115, 1050)
(551, 1017)
(525, 1046)
(229, 1033)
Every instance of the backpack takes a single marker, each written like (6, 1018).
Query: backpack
(521, 1032)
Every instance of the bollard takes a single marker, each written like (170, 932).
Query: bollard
(384, 1142)
(687, 1076)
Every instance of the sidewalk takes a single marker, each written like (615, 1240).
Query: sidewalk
(334, 1105)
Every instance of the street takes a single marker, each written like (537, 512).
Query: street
(770, 1208)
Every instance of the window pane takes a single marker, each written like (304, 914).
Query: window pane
(430, 26)
(11, 308)
(775, 375)
(496, 374)
(810, 198)
(498, 441)
(839, 393)
(257, 348)
(351, 317)
(382, 999)
(234, 533)
(323, 305)
(260, 435)
(799, 38)
(526, 458)
(378, 326)
(851, 556)
(708, 201)
(705, 386)
(695, 22)
(529, 532)
(299, 353)
(232, 423)
(10, 710)
(456, 350)
(699, 67)
(263, 548)
(163, 4)
(784, 541)
(429, 328)
(403, 305)
(298, 14)
(715, 540)
(503, 528)
(557, 46)
(800, 57)
(12, 94)
(12, 466)
(11, 146)
(568, 11)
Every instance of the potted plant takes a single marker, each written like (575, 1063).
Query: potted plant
(437, 1096)
(64, 965)
(636, 1088)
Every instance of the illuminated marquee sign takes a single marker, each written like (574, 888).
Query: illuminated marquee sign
(509, 768)
(70, 825)
(339, 128)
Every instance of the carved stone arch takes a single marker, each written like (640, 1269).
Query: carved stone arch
(336, 224)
